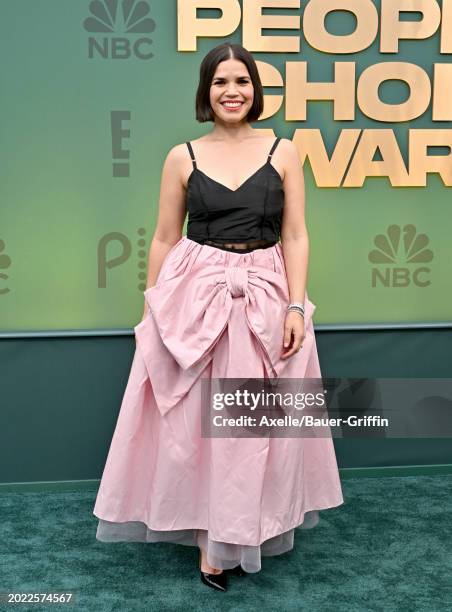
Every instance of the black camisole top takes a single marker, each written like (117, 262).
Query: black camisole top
(252, 212)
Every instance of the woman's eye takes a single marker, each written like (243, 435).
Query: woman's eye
(245, 82)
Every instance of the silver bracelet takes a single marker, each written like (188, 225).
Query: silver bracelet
(297, 307)
(300, 312)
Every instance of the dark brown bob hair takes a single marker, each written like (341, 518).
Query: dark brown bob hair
(207, 69)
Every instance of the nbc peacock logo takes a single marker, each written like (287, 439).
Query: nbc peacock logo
(399, 257)
(115, 24)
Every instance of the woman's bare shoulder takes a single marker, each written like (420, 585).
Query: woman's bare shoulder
(288, 144)
(289, 150)
(177, 151)
(178, 159)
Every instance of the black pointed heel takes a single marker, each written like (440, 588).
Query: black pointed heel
(216, 581)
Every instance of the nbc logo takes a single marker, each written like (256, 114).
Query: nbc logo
(397, 256)
(125, 17)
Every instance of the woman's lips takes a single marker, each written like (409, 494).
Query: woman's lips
(232, 106)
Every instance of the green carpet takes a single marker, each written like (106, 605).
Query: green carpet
(388, 548)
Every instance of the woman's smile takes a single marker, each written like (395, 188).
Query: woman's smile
(232, 105)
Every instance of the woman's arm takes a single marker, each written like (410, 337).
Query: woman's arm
(295, 243)
(171, 213)
(294, 235)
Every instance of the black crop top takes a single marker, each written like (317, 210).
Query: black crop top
(251, 212)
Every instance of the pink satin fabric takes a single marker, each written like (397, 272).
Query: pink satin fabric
(213, 313)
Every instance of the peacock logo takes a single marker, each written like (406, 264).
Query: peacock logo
(124, 19)
(396, 249)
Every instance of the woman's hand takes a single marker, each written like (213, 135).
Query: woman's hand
(294, 333)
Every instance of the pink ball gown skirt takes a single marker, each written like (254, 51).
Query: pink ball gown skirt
(213, 314)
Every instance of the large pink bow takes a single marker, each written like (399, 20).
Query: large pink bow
(189, 313)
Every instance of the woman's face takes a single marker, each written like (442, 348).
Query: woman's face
(231, 83)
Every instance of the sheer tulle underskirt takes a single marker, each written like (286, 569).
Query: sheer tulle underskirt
(221, 555)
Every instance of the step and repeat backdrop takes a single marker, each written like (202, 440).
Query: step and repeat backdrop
(95, 94)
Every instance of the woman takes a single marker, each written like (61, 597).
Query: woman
(225, 301)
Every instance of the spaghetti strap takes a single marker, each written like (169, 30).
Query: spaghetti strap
(275, 144)
(192, 155)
